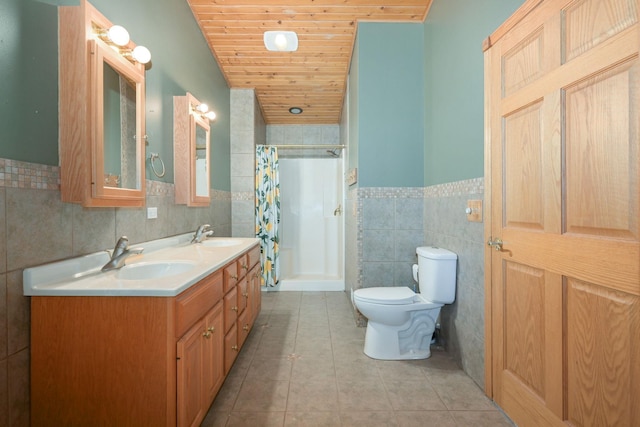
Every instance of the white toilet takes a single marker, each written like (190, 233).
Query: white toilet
(401, 322)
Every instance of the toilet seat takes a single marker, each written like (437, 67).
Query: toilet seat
(386, 295)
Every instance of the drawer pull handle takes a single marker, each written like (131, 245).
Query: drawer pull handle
(245, 327)
(246, 294)
(206, 334)
(234, 347)
(233, 276)
(245, 267)
(234, 308)
(211, 329)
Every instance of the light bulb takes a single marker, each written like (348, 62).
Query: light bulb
(210, 115)
(118, 35)
(281, 41)
(141, 54)
(202, 108)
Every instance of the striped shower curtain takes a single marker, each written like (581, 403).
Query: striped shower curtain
(268, 212)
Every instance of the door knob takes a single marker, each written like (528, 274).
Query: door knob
(495, 243)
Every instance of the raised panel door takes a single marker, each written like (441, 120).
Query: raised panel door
(214, 352)
(563, 188)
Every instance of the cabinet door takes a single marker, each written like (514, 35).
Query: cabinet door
(214, 352)
(190, 367)
(230, 309)
(230, 348)
(255, 296)
(243, 294)
(243, 327)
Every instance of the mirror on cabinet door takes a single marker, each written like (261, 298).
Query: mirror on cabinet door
(102, 123)
(191, 140)
(118, 89)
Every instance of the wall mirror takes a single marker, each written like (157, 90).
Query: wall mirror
(191, 141)
(102, 123)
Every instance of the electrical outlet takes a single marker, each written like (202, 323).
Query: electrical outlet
(152, 213)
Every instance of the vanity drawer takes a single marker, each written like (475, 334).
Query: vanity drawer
(193, 303)
(230, 276)
(254, 256)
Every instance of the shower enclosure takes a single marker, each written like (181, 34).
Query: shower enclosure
(311, 223)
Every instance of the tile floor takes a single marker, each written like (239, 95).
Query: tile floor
(303, 365)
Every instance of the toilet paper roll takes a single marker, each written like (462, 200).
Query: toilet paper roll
(415, 272)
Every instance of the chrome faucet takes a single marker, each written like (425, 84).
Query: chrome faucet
(202, 233)
(120, 253)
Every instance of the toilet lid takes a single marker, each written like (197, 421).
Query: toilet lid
(386, 295)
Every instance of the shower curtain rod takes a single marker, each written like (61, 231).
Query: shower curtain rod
(305, 146)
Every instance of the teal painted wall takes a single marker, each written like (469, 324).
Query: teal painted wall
(28, 81)
(454, 85)
(181, 62)
(388, 77)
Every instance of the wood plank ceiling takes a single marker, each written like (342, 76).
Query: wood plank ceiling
(313, 77)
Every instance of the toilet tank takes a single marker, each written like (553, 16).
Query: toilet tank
(437, 274)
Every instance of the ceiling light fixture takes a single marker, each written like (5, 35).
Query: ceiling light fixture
(295, 110)
(281, 41)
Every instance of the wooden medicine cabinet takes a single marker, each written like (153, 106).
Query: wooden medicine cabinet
(191, 135)
(102, 105)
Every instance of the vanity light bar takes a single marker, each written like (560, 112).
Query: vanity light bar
(118, 37)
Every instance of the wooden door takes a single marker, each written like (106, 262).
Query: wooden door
(563, 290)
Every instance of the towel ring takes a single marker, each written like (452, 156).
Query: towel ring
(152, 157)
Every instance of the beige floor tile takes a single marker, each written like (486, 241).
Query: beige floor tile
(368, 419)
(256, 419)
(312, 368)
(481, 419)
(259, 395)
(409, 370)
(362, 396)
(356, 369)
(262, 368)
(425, 419)
(459, 392)
(413, 396)
(311, 419)
(313, 396)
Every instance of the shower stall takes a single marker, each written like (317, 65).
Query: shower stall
(311, 226)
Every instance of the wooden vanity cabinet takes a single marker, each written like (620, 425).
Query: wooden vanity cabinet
(143, 361)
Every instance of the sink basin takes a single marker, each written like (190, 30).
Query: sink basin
(217, 243)
(153, 270)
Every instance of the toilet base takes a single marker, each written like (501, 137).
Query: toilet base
(410, 341)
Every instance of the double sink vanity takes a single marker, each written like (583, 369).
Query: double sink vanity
(146, 344)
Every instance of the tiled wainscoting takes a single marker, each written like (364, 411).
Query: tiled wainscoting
(383, 228)
(36, 228)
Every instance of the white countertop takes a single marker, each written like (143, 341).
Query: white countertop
(82, 276)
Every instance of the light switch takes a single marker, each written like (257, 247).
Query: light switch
(152, 213)
(474, 210)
